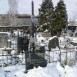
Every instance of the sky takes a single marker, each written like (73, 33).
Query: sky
(24, 6)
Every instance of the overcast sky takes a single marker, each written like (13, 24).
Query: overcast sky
(24, 6)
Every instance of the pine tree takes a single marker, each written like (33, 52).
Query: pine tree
(61, 19)
(46, 15)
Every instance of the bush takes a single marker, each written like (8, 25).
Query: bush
(70, 62)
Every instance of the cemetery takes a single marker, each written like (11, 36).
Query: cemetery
(34, 49)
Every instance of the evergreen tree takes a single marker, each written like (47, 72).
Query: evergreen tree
(46, 15)
(61, 19)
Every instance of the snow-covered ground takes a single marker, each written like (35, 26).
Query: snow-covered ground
(53, 69)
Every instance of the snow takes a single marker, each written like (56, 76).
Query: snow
(7, 33)
(53, 69)
(40, 38)
(48, 71)
(13, 52)
(52, 37)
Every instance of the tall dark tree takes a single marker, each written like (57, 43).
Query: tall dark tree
(46, 15)
(61, 18)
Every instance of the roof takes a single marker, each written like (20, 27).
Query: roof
(13, 26)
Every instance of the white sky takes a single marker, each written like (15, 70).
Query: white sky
(24, 6)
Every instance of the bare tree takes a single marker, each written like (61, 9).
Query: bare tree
(13, 10)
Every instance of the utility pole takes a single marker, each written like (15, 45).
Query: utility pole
(32, 18)
(33, 31)
(33, 24)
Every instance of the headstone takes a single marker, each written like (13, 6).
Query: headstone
(53, 43)
(22, 44)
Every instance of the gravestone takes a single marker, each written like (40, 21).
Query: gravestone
(53, 42)
(22, 44)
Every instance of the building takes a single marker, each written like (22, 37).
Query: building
(72, 25)
(19, 23)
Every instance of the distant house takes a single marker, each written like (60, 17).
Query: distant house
(72, 25)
